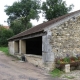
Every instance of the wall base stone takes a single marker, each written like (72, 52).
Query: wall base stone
(49, 66)
(34, 59)
(37, 61)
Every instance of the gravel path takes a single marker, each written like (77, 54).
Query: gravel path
(73, 75)
(12, 69)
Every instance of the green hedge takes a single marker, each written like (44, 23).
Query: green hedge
(4, 35)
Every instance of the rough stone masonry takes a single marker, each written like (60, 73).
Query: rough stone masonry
(65, 38)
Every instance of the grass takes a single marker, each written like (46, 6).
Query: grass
(56, 73)
(5, 50)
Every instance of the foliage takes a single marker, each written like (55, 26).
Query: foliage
(68, 59)
(5, 50)
(55, 8)
(4, 35)
(23, 10)
(18, 27)
(56, 72)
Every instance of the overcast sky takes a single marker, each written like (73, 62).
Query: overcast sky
(3, 16)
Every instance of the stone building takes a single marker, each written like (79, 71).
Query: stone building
(47, 41)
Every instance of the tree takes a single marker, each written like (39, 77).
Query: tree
(55, 8)
(23, 10)
(17, 26)
(4, 35)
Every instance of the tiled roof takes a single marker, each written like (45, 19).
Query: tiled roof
(41, 27)
(7, 27)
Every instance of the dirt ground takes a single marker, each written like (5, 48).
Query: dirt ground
(12, 69)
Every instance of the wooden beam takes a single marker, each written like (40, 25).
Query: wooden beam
(38, 34)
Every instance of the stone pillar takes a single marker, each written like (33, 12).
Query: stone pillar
(22, 47)
(47, 54)
(11, 47)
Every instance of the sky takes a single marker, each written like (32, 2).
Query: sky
(3, 16)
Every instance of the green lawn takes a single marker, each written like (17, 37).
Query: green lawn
(5, 50)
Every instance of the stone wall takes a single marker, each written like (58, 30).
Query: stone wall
(65, 38)
(38, 61)
(34, 59)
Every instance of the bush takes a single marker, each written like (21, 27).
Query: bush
(56, 72)
(4, 35)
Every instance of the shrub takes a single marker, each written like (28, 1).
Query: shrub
(56, 72)
(4, 35)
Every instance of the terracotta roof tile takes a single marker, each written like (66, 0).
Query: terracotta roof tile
(7, 27)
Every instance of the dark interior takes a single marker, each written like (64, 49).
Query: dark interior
(34, 46)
